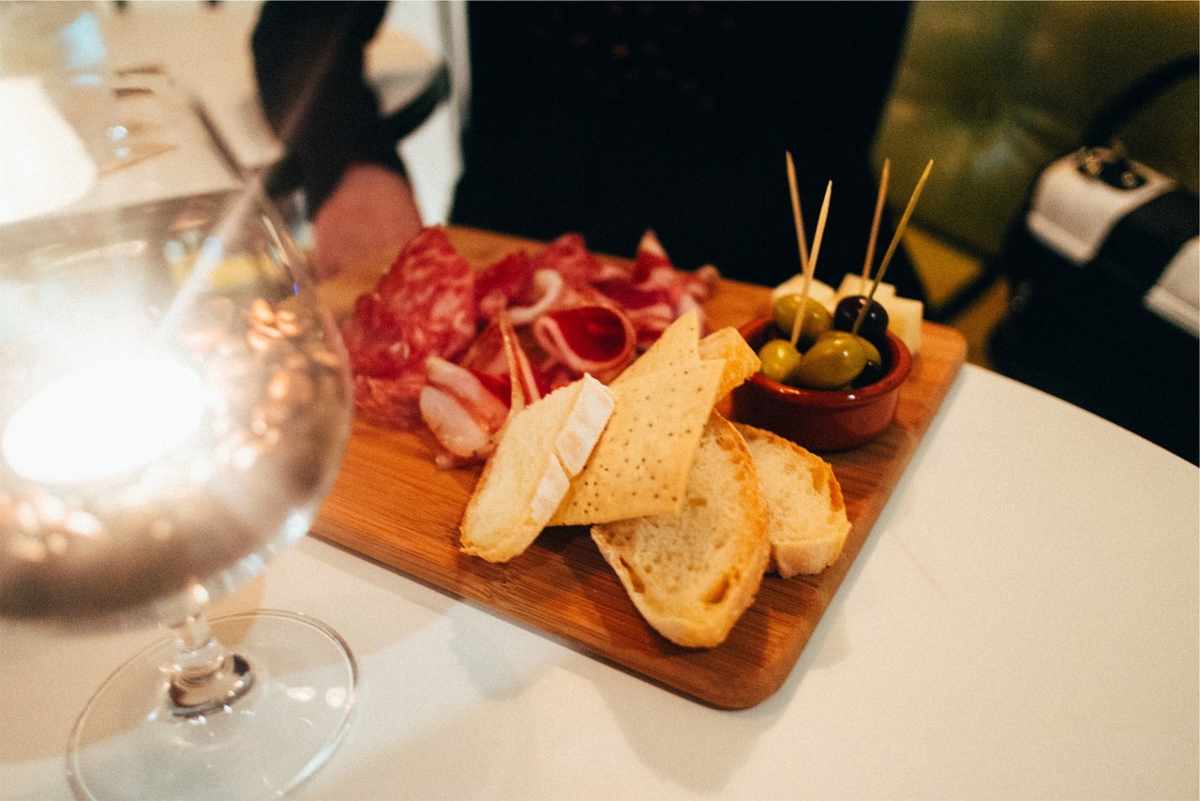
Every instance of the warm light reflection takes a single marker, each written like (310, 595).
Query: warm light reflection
(105, 420)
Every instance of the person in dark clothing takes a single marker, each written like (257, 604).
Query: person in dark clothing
(610, 118)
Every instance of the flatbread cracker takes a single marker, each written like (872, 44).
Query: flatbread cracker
(741, 361)
(676, 345)
(640, 465)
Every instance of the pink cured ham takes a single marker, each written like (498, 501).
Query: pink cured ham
(568, 256)
(475, 396)
(426, 345)
(485, 357)
(423, 306)
(460, 410)
(653, 293)
(588, 339)
(506, 282)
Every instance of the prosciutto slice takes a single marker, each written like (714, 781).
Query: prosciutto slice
(654, 293)
(506, 282)
(588, 339)
(477, 398)
(458, 351)
(568, 256)
(550, 286)
(462, 412)
(453, 426)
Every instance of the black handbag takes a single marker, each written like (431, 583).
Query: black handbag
(1103, 262)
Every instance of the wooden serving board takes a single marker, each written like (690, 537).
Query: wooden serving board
(393, 505)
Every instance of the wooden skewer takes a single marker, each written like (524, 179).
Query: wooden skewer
(810, 267)
(883, 183)
(797, 214)
(895, 243)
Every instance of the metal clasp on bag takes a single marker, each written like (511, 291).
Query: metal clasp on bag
(1110, 165)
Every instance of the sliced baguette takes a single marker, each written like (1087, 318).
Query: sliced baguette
(692, 573)
(808, 525)
(524, 482)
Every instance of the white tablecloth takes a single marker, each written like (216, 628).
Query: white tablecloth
(1021, 623)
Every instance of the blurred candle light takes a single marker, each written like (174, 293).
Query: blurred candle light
(105, 420)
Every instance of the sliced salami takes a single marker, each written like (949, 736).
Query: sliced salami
(423, 306)
(437, 342)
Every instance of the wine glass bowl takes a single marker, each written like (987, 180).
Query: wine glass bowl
(174, 405)
(176, 437)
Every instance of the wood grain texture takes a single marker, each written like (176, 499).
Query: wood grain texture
(393, 505)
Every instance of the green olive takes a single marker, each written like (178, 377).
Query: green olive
(830, 363)
(816, 321)
(779, 360)
(872, 352)
(874, 369)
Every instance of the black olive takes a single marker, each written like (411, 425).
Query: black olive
(874, 325)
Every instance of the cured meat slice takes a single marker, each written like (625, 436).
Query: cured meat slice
(499, 385)
(468, 390)
(589, 339)
(521, 379)
(568, 256)
(499, 285)
(654, 292)
(389, 401)
(486, 353)
(455, 429)
(424, 305)
(519, 328)
(549, 286)
(461, 411)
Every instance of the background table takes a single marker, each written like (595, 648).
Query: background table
(1021, 623)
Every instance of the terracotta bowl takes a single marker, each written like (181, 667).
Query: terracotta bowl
(821, 420)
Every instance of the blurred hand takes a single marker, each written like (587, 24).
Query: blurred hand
(368, 218)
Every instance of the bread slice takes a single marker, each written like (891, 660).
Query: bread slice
(808, 515)
(692, 573)
(540, 449)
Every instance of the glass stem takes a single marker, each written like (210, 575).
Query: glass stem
(204, 676)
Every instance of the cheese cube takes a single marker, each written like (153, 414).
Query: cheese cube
(818, 290)
(904, 320)
(854, 285)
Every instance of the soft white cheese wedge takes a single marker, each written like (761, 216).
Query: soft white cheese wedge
(525, 481)
(584, 425)
(551, 489)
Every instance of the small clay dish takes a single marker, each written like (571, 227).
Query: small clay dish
(821, 420)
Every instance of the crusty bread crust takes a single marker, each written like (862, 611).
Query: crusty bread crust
(791, 555)
(699, 613)
(524, 481)
(494, 551)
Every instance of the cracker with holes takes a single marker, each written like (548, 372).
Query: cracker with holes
(640, 465)
(679, 344)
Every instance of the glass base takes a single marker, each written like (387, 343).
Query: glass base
(132, 742)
